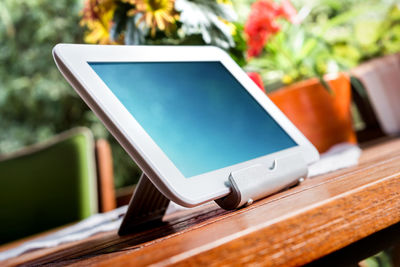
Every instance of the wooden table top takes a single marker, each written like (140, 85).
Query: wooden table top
(294, 227)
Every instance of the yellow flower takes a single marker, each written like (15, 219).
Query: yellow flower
(158, 14)
(225, 2)
(97, 17)
(97, 34)
(286, 79)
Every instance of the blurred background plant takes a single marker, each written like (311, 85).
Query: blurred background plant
(281, 48)
(323, 37)
(36, 102)
(360, 30)
(161, 22)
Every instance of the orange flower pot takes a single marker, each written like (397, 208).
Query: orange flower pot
(323, 117)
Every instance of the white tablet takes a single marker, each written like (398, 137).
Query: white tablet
(188, 115)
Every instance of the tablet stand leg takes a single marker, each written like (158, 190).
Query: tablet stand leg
(146, 208)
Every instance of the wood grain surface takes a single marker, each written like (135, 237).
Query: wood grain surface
(291, 228)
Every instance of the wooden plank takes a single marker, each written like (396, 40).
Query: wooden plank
(387, 240)
(293, 227)
(290, 231)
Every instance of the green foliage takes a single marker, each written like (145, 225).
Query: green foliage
(35, 100)
(294, 54)
(334, 35)
(356, 30)
(33, 94)
(237, 52)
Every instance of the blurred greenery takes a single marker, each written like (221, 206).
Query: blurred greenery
(35, 100)
(333, 35)
(294, 54)
(357, 30)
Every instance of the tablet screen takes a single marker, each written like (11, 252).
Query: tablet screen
(196, 112)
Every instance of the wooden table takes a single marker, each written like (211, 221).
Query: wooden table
(294, 227)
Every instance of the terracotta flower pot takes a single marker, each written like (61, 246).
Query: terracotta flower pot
(323, 117)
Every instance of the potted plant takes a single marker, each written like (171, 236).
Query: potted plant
(295, 62)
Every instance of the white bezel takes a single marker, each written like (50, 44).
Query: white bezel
(72, 60)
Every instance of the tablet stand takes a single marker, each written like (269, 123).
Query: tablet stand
(258, 181)
(146, 208)
(148, 205)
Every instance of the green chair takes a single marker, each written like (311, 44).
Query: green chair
(48, 185)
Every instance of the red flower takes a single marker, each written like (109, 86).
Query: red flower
(262, 23)
(257, 79)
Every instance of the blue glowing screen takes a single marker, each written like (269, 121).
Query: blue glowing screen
(196, 112)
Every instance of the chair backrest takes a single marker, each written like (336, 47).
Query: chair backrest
(381, 79)
(48, 185)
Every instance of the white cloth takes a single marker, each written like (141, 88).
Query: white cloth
(94, 224)
(338, 157)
